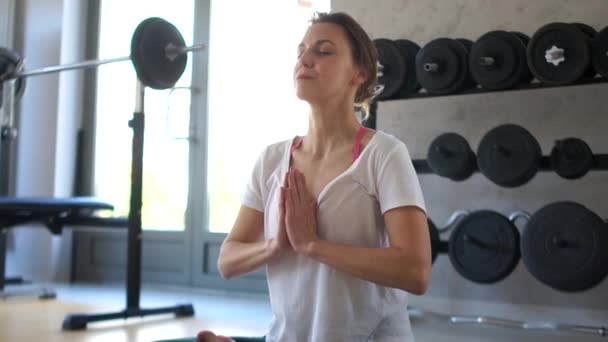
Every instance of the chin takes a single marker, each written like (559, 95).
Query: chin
(304, 95)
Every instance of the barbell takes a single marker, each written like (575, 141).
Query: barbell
(562, 245)
(483, 246)
(158, 53)
(509, 156)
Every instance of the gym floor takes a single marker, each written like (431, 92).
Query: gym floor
(26, 318)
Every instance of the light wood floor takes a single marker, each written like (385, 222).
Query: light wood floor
(25, 319)
(28, 319)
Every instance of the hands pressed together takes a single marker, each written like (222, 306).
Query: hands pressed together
(297, 227)
(297, 215)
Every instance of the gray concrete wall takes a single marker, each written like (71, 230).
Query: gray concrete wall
(549, 114)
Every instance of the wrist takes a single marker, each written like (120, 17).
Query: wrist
(311, 248)
(271, 247)
(275, 249)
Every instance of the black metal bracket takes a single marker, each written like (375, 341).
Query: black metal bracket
(600, 163)
(134, 244)
(479, 90)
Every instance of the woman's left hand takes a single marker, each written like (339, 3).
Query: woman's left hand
(300, 212)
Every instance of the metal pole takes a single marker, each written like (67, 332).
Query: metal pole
(6, 144)
(508, 323)
(134, 240)
(171, 51)
(140, 95)
(3, 279)
(7, 135)
(72, 66)
(9, 113)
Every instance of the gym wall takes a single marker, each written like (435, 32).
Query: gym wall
(49, 116)
(6, 22)
(549, 114)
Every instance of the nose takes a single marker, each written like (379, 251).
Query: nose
(306, 59)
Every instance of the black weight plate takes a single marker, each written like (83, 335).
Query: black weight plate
(468, 45)
(591, 33)
(393, 67)
(410, 84)
(600, 52)
(435, 240)
(522, 36)
(451, 59)
(587, 29)
(509, 155)
(527, 77)
(484, 247)
(9, 60)
(450, 156)
(137, 57)
(154, 68)
(576, 53)
(564, 247)
(20, 85)
(571, 158)
(508, 55)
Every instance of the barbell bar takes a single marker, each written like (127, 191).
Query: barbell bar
(155, 50)
(171, 52)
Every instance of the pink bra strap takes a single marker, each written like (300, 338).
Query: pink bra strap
(296, 145)
(357, 147)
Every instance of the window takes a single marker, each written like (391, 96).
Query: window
(251, 98)
(165, 189)
(247, 103)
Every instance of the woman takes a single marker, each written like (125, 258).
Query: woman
(336, 216)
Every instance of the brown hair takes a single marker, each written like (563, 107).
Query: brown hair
(362, 48)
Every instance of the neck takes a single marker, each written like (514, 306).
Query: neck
(330, 127)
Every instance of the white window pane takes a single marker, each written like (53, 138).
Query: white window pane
(252, 103)
(165, 179)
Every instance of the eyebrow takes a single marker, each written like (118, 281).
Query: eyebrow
(318, 42)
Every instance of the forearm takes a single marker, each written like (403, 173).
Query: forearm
(390, 266)
(238, 258)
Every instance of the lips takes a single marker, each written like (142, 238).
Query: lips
(303, 75)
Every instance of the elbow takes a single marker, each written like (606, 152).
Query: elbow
(226, 272)
(418, 283)
(423, 280)
(223, 270)
(223, 266)
(419, 286)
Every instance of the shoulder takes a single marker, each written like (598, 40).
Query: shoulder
(271, 157)
(274, 152)
(385, 144)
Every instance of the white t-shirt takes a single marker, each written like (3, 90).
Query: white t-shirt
(312, 301)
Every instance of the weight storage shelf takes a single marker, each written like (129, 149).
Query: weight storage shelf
(479, 90)
(600, 163)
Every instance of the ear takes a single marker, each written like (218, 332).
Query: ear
(359, 77)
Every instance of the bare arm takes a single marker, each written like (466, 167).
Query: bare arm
(406, 264)
(242, 251)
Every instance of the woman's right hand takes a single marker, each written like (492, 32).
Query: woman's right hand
(208, 336)
(281, 242)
